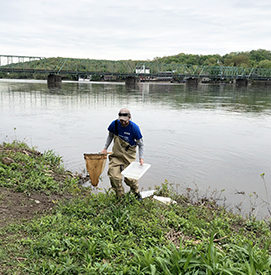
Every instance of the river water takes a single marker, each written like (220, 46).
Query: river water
(208, 138)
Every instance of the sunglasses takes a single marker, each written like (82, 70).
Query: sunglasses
(124, 114)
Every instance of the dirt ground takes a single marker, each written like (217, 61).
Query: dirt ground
(15, 206)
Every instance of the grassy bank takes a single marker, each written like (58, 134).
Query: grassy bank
(82, 232)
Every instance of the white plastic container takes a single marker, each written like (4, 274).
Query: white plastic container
(135, 170)
(148, 193)
(165, 200)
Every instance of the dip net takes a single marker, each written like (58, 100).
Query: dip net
(95, 164)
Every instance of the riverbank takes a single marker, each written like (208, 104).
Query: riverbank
(59, 227)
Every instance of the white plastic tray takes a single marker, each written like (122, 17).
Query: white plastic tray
(135, 170)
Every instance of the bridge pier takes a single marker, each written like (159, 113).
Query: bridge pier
(131, 80)
(241, 82)
(191, 81)
(54, 81)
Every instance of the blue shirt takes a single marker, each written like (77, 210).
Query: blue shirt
(130, 133)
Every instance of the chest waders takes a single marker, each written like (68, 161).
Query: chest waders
(123, 154)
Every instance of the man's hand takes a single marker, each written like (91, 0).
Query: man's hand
(141, 161)
(104, 151)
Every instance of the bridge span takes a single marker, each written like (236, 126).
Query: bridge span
(58, 68)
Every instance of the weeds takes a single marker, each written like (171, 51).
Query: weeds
(266, 191)
(52, 158)
(32, 171)
(98, 234)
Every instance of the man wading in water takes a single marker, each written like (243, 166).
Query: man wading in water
(127, 136)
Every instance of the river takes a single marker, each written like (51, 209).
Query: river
(208, 138)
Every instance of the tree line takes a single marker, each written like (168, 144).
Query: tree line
(251, 59)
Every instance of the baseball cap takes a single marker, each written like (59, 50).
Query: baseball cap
(124, 114)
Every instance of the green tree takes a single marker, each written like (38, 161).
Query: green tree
(240, 60)
(212, 61)
(260, 55)
(265, 64)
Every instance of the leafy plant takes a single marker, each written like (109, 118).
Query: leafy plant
(94, 233)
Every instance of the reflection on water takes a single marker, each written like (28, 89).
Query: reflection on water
(209, 136)
(231, 98)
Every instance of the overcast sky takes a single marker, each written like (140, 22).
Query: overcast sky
(137, 30)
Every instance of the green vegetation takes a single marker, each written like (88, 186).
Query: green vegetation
(29, 170)
(251, 59)
(94, 233)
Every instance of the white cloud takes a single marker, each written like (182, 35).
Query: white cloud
(132, 30)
